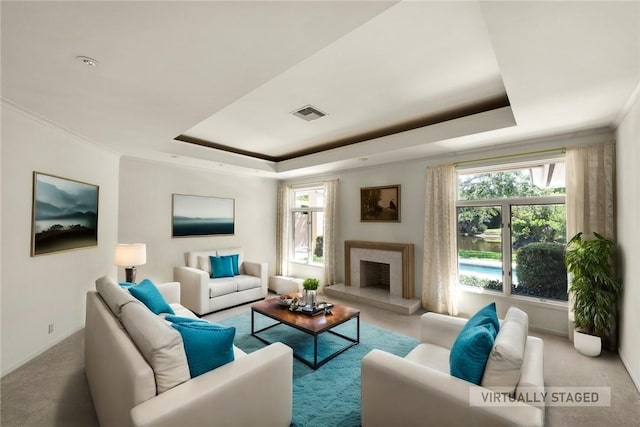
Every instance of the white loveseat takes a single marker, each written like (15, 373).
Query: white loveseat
(254, 389)
(418, 390)
(202, 294)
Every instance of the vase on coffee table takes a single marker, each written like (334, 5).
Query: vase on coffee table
(310, 286)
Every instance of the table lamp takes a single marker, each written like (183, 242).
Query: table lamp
(128, 255)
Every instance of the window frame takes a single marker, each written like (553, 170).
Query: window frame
(309, 210)
(505, 204)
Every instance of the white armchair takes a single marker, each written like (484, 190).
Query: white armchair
(418, 390)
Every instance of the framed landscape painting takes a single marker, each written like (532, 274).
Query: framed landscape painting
(202, 216)
(64, 214)
(380, 204)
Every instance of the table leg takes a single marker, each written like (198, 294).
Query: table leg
(315, 352)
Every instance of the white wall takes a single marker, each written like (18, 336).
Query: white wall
(628, 206)
(411, 177)
(146, 190)
(37, 291)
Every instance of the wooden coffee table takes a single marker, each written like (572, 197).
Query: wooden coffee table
(312, 325)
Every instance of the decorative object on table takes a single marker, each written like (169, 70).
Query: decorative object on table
(380, 204)
(285, 300)
(310, 286)
(594, 291)
(130, 255)
(64, 214)
(202, 216)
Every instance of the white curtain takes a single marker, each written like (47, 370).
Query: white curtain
(590, 183)
(283, 228)
(329, 233)
(590, 180)
(440, 255)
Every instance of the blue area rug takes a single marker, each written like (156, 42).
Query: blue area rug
(330, 395)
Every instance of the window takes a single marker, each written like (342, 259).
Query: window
(308, 225)
(512, 230)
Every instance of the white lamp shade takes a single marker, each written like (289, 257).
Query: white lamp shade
(130, 254)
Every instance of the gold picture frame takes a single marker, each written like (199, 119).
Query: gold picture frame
(380, 204)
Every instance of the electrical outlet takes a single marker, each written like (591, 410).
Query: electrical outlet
(50, 328)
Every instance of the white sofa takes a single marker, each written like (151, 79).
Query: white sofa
(202, 294)
(254, 389)
(418, 390)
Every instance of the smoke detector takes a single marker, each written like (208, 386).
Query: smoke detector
(308, 113)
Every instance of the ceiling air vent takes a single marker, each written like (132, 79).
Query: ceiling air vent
(308, 113)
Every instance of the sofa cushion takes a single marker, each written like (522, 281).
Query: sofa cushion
(207, 345)
(221, 267)
(191, 258)
(114, 295)
(180, 310)
(204, 263)
(222, 286)
(147, 292)
(182, 319)
(431, 355)
(160, 345)
(233, 251)
(247, 282)
(504, 364)
(470, 351)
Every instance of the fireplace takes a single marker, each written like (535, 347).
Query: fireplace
(360, 260)
(375, 274)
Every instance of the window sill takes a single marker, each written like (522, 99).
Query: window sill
(307, 264)
(539, 302)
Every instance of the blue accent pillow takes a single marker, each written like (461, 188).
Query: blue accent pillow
(149, 295)
(486, 315)
(470, 352)
(221, 267)
(234, 263)
(207, 345)
(180, 319)
(126, 285)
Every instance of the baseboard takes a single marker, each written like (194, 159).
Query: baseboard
(32, 356)
(634, 378)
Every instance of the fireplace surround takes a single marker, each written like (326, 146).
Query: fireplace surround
(399, 257)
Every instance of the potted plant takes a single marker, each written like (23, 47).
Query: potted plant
(594, 290)
(310, 285)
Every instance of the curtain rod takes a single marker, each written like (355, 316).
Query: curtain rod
(507, 156)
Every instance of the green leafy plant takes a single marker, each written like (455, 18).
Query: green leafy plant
(541, 271)
(310, 284)
(594, 287)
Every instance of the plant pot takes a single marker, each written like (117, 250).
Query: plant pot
(587, 345)
(309, 297)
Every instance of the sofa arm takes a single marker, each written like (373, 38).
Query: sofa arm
(170, 291)
(440, 329)
(396, 391)
(258, 269)
(254, 390)
(194, 288)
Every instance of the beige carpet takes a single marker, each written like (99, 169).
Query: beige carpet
(51, 390)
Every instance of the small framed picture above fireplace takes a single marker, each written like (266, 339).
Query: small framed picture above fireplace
(380, 204)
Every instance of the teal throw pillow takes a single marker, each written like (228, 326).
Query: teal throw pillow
(221, 267)
(234, 263)
(486, 315)
(149, 295)
(181, 319)
(207, 345)
(470, 352)
(126, 285)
